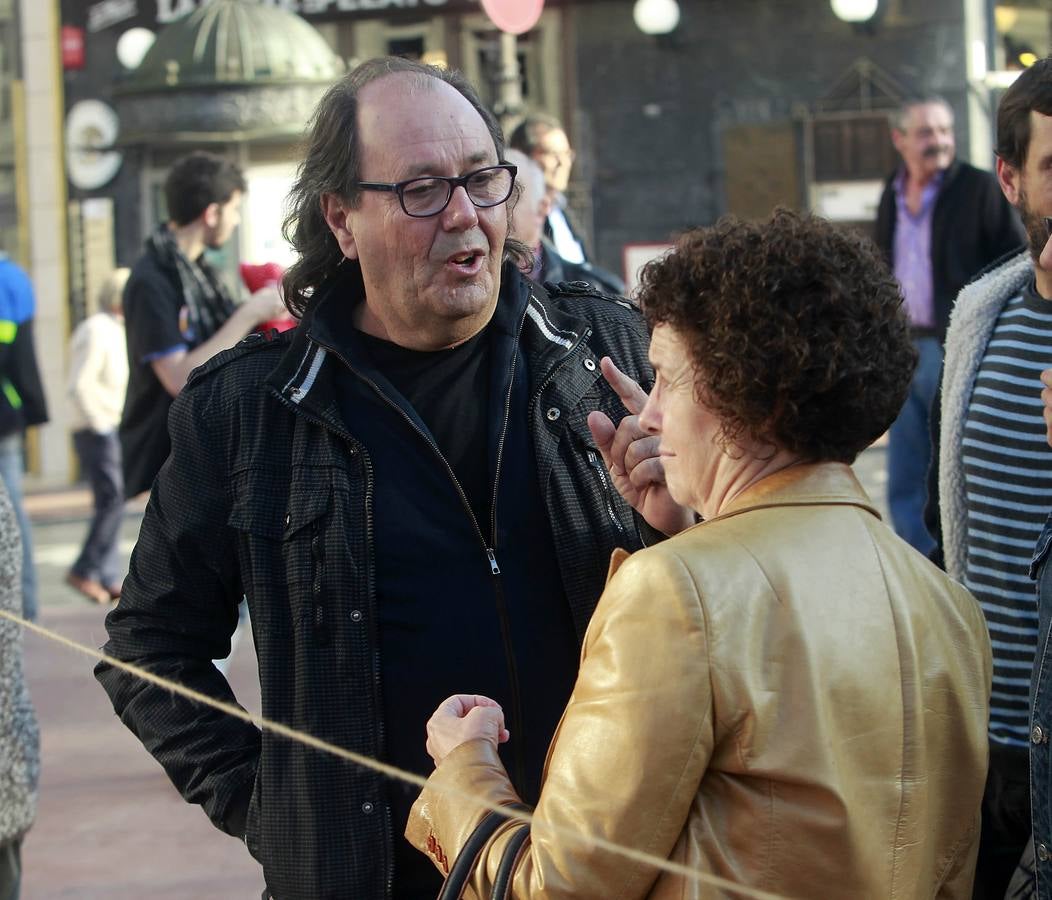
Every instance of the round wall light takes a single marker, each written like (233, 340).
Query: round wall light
(656, 16)
(133, 45)
(855, 10)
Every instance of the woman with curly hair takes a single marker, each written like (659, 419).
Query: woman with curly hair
(785, 695)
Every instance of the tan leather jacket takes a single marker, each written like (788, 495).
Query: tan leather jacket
(786, 696)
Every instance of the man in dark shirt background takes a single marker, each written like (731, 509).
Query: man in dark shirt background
(177, 311)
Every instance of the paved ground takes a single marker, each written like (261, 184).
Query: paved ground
(110, 825)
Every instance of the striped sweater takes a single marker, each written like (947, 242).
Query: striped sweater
(995, 477)
(1008, 491)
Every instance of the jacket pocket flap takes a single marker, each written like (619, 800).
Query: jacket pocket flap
(275, 506)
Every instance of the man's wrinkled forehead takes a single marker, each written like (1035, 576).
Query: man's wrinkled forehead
(410, 111)
(923, 115)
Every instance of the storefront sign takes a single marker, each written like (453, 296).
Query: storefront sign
(154, 14)
(169, 10)
(110, 12)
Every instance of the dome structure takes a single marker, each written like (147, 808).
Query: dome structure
(231, 70)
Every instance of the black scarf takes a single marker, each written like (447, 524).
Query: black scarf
(208, 302)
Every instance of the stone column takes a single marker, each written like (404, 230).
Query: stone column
(981, 115)
(45, 216)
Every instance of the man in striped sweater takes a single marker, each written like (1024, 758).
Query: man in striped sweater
(995, 465)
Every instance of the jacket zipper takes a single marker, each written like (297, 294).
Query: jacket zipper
(375, 653)
(490, 554)
(381, 739)
(600, 470)
(320, 620)
(515, 719)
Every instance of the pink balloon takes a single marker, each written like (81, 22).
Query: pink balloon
(513, 16)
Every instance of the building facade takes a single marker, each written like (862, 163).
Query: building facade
(742, 107)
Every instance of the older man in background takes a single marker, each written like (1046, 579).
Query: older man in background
(529, 214)
(940, 222)
(542, 138)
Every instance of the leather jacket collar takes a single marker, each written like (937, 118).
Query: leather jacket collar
(805, 484)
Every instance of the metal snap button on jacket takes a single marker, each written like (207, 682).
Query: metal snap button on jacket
(553, 413)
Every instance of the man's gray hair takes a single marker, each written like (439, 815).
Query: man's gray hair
(899, 116)
(529, 170)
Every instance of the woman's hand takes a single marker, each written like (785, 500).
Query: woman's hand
(462, 718)
(631, 456)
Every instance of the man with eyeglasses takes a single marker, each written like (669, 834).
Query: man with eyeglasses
(419, 467)
(543, 138)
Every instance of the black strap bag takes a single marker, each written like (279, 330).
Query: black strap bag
(457, 880)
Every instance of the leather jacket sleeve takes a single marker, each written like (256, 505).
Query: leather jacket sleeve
(626, 760)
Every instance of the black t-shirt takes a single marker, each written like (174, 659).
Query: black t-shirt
(156, 324)
(449, 390)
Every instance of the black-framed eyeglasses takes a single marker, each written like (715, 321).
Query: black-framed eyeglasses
(429, 195)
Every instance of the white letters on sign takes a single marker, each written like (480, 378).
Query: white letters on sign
(110, 12)
(169, 10)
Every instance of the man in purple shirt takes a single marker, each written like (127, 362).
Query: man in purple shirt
(940, 222)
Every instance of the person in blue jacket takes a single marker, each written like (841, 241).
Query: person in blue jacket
(22, 404)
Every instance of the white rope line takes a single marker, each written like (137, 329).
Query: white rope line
(657, 862)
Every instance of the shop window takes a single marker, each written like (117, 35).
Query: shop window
(488, 65)
(761, 169)
(537, 54)
(1024, 34)
(853, 149)
(422, 40)
(407, 47)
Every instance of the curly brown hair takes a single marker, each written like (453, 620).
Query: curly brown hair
(795, 327)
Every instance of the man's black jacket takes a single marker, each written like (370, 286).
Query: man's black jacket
(555, 269)
(972, 225)
(268, 493)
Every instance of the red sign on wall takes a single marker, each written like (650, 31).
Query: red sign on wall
(72, 42)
